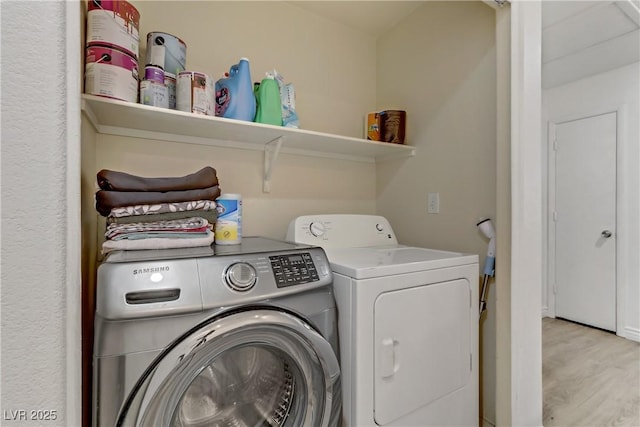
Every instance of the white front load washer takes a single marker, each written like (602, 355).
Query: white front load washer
(241, 335)
(407, 322)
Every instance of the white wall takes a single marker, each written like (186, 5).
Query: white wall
(40, 213)
(88, 253)
(598, 94)
(502, 286)
(331, 66)
(439, 64)
(526, 223)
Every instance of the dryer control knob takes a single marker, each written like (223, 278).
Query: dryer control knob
(317, 229)
(240, 276)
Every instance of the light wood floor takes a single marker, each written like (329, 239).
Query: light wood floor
(590, 378)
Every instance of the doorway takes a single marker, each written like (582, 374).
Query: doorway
(582, 218)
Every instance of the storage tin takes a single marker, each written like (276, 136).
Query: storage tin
(153, 73)
(114, 23)
(154, 94)
(111, 73)
(170, 81)
(386, 126)
(166, 51)
(195, 93)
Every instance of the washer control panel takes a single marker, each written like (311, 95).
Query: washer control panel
(293, 269)
(189, 280)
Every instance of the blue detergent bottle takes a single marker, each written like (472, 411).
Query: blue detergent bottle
(234, 94)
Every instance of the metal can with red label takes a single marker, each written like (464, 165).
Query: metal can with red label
(113, 23)
(195, 93)
(111, 73)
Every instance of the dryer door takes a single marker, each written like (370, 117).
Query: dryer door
(251, 368)
(423, 339)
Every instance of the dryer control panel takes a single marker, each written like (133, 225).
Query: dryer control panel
(341, 231)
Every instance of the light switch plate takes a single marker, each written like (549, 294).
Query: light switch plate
(433, 203)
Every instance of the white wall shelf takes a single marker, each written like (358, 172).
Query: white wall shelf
(121, 118)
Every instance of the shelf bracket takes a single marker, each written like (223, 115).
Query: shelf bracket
(271, 151)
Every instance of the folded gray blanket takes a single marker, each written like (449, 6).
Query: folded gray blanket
(137, 229)
(120, 181)
(191, 205)
(157, 243)
(107, 200)
(210, 216)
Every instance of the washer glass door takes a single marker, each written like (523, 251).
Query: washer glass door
(251, 368)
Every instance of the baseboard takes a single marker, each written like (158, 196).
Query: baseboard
(546, 312)
(487, 423)
(632, 334)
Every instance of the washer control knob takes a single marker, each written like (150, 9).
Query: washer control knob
(379, 227)
(317, 229)
(240, 276)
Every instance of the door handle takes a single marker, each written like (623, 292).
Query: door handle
(388, 359)
(606, 234)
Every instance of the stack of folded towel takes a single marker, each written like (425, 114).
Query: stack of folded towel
(157, 213)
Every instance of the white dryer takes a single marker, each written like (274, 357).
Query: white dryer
(407, 322)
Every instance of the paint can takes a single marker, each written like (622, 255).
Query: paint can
(170, 81)
(154, 94)
(228, 229)
(166, 51)
(111, 73)
(114, 23)
(154, 74)
(195, 93)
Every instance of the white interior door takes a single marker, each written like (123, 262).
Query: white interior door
(585, 220)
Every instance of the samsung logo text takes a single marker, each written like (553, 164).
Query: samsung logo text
(147, 270)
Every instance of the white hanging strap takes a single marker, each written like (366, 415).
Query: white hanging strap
(104, 57)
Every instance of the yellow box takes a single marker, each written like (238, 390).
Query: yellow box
(372, 126)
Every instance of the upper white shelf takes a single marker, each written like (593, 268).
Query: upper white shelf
(115, 117)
